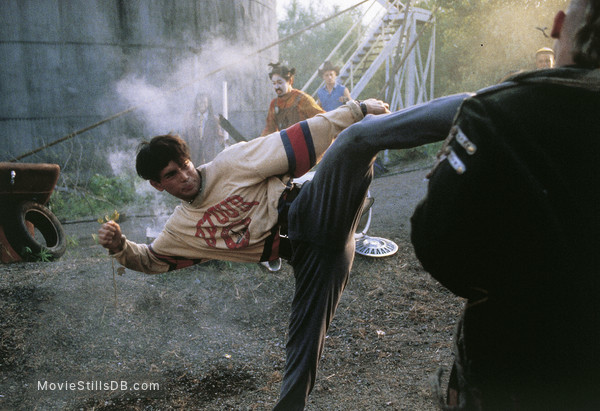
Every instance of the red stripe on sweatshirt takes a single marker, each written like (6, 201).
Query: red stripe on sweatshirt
(298, 141)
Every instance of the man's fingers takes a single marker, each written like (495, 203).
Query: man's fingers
(375, 106)
(107, 233)
(111, 224)
(105, 238)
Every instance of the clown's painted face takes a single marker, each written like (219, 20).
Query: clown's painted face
(281, 85)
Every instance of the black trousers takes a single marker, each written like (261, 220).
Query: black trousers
(321, 270)
(322, 221)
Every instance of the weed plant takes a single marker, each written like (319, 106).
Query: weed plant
(101, 195)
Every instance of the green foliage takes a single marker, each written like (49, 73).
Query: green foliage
(307, 51)
(72, 241)
(117, 188)
(101, 196)
(43, 256)
(479, 42)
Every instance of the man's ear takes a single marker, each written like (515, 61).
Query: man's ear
(156, 185)
(559, 20)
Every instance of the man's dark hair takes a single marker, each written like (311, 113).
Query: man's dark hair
(587, 40)
(281, 70)
(155, 155)
(328, 66)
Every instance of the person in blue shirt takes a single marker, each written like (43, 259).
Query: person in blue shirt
(332, 94)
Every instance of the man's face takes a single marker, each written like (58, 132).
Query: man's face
(202, 104)
(329, 77)
(281, 86)
(544, 60)
(181, 182)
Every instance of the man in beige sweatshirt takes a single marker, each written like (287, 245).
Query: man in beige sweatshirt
(234, 207)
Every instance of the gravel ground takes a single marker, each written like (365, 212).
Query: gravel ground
(75, 335)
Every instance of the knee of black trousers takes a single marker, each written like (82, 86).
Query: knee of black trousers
(301, 251)
(310, 256)
(358, 137)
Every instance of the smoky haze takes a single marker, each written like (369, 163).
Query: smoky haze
(481, 45)
(165, 107)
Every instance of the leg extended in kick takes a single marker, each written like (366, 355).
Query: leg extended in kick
(407, 128)
(326, 212)
(321, 226)
(321, 276)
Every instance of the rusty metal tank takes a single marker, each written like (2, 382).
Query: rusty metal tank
(27, 181)
(29, 230)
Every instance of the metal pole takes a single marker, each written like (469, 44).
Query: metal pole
(225, 108)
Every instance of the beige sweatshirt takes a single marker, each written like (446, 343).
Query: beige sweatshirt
(236, 210)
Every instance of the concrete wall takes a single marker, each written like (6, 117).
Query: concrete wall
(63, 62)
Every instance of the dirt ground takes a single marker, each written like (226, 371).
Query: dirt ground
(213, 336)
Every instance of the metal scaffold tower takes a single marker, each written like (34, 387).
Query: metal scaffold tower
(398, 39)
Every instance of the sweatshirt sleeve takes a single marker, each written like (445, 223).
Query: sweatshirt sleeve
(292, 151)
(306, 142)
(139, 257)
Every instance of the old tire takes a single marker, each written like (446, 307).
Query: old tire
(35, 227)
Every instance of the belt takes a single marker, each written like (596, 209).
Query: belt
(285, 201)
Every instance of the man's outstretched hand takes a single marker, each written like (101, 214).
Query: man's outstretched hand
(109, 237)
(375, 106)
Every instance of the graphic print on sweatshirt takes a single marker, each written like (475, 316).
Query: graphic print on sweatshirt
(226, 220)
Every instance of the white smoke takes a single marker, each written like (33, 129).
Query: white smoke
(164, 107)
(119, 158)
(164, 101)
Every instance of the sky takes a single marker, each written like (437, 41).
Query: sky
(327, 4)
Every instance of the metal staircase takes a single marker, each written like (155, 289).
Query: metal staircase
(394, 41)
